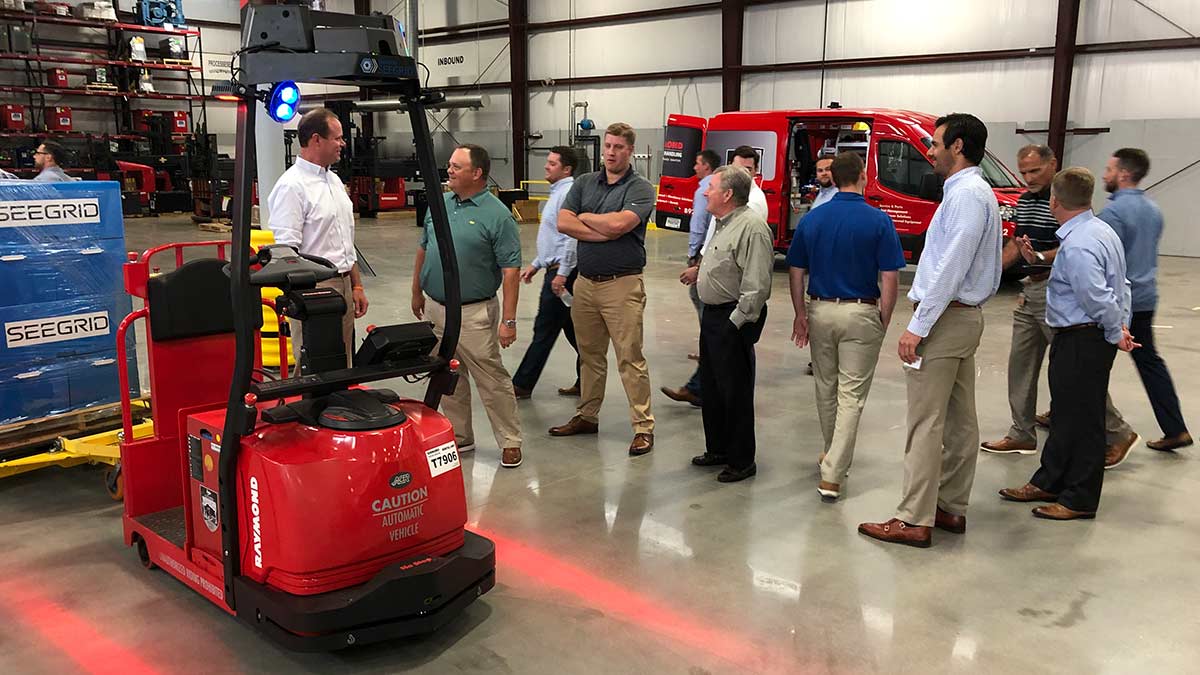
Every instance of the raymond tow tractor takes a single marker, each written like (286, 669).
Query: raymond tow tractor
(323, 513)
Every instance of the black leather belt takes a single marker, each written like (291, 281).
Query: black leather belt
(476, 302)
(1040, 276)
(1078, 326)
(601, 278)
(850, 301)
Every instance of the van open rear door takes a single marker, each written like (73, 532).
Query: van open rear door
(683, 140)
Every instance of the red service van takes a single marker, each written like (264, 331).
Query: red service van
(893, 143)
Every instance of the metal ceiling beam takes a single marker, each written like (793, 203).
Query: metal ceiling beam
(733, 17)
(1060, 85)
(1138, 46)
(518, 53)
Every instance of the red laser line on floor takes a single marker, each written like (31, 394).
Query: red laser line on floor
(73, 636)
(613, 599)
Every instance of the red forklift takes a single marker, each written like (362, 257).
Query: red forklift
(323, 513)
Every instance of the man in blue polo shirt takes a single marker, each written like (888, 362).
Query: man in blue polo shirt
(844, 247)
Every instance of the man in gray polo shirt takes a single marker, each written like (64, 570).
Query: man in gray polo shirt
(607, 212)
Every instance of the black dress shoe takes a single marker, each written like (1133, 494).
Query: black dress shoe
(708, 459)
(732, 475)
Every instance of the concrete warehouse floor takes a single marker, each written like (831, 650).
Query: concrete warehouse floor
(607, 564)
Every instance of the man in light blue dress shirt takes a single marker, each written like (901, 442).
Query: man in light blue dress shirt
(1088, 306)
(958, 271)
(707, 162)
(555, 255)
(1139, 223)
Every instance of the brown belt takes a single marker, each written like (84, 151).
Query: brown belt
(850, 301)
(953, 303)
(601, 278)
(1078, 326)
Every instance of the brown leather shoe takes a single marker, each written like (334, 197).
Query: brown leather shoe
(1060, 512)
(520, 393)
(1028, 493)
(642, 443)
(572, 390)
(829, 491)
(1043, 420)
(682, 395)
(1009, 446)
(896, 531)
(1118, 452)
(944, 520)
(510, 458)
(1170, 443)
(577, 425)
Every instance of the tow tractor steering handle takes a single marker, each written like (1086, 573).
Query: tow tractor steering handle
(282, 266)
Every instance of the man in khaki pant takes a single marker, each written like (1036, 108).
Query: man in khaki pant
(310, 211)
(845, 246)
(488, 250)
(607, 212)
(958, 271)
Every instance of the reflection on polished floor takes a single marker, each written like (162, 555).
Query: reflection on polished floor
(612, 564)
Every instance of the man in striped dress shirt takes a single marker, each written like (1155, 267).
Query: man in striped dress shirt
(958, 271)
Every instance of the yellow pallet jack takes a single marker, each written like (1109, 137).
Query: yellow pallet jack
(102, 447)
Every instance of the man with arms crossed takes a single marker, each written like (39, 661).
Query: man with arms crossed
(607, 212)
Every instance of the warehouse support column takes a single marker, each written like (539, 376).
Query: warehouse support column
(733, 15)
(518, 54)
(1060, 86)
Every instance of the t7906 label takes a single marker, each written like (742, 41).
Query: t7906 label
(441, 459)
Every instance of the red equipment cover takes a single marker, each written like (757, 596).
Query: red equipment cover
(58, 118)
(323, 509)
(12, 117)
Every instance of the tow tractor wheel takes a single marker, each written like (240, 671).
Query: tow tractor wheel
(114, 483)
(143, 553)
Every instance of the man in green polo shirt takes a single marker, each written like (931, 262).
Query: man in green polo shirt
(488, 250)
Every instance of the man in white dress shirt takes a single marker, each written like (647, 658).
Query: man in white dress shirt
(310, 210)
(958, 271)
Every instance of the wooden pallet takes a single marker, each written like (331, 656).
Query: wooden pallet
(96, 86)
(20, 436)
(215, 227)
(178, 62)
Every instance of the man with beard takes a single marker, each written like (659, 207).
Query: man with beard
(825, 180)
(958, 271)
(1139, 224)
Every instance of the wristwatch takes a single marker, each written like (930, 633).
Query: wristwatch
(1039, 256)
(510, 323)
